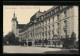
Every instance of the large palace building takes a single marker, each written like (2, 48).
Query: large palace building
(55, 23)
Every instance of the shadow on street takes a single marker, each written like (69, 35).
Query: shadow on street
(62, 52)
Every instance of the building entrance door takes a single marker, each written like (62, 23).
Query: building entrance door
(30, 43)
(65, 33)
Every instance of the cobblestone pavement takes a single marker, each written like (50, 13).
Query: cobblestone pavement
(31, 49)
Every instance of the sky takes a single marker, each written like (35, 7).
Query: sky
(23, 14)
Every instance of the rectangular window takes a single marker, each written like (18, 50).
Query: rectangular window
(57, 17)
(46, 22)
(65, 23)
(58, 25)
(65, 14)
(49, 21)
(49, 27)
(39, 18)
(53, 19)
(45, 16)
(53, 25)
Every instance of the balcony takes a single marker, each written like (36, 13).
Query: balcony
(65, 28)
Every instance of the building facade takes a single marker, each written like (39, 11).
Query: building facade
(55, 23)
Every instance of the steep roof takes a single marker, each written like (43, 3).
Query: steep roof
(50, 9)
(36, 15)
(33, 17)
(21, 26)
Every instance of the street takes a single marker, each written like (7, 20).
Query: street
(31, 49)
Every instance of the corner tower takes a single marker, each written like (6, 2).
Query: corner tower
(14, 23)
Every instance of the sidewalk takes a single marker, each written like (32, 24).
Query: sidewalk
(48, 46)
(32, 49)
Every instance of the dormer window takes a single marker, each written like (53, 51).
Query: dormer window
(61, 8)
(51, 12)
(57, 9)
(42, 17)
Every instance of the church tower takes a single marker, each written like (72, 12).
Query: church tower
(14, 24)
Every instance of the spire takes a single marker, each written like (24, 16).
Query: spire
(14, 17)
(39, 8)
(14, 14)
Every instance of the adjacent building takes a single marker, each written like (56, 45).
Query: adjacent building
(55, 23)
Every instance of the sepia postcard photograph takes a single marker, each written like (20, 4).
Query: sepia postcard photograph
(40, 29)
